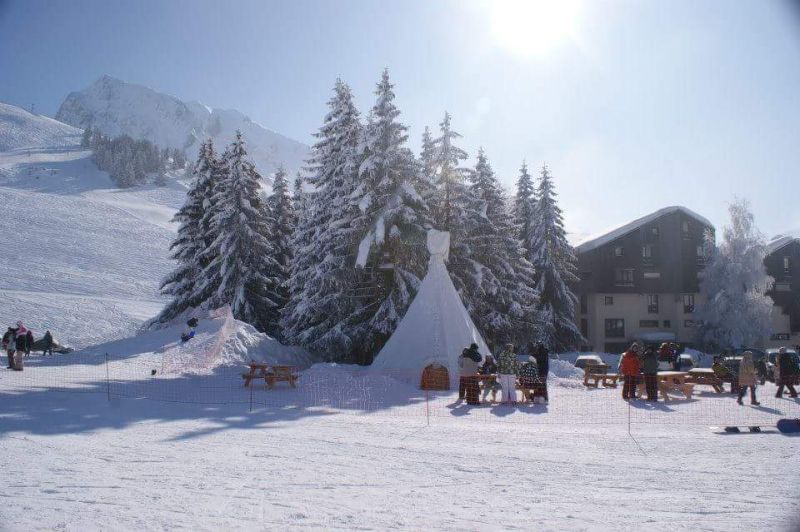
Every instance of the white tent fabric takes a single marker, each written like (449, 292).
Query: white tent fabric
(436, 327)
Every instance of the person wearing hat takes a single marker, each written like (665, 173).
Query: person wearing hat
(468, 364)
(650, 371)
(747, 378)
(529, 378)
(507, 367)
(629, 367)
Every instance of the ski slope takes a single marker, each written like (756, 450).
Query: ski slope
(82, 258)
(22, 129)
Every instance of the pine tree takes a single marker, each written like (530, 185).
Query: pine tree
(284, 217)
(524, 205)
(449, 201)
(86, 138)
(392, 220)
(735, 311)
(501, 291)
(555, 268)
(321, 299)
(190, 244)
(244, 255)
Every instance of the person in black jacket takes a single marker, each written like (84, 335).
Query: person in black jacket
(47, 344)
(788, 371)
(10, 345)
(542, 356)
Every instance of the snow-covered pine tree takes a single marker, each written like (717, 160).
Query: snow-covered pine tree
(524, 205)
(284, 218)
(321, 298)
(448, 204)
(244, 254)
(86, 138)
(501, 290)
(190, 242)
(734, 310)
(555, 268)
(393, 220)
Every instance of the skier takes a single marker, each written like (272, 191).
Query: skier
(629, 367)
(189, 333)
(47, 344)
(24, 339)
(747, 378)
(786, 371)
(650, 371)
(10, 345)
(507, 367)
(468, 364)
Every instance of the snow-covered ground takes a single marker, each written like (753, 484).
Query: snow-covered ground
(90, 447)
(81, 257)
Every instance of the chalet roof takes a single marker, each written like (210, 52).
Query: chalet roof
(596, 242)
(779, 242)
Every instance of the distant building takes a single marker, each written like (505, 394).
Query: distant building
(783, 264)
(641, 281)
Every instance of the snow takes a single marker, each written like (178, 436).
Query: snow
(780, 241)
(21, 129)
(350, 449)
(117, 108)
(363, 249)
(91, 256)
(609, 236)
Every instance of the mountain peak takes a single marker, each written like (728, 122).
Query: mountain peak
(117, 107)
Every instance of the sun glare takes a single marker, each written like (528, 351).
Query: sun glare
(533, 27)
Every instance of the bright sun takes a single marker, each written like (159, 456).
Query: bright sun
(533, 27)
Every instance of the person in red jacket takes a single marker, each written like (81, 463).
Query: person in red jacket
(629, 367)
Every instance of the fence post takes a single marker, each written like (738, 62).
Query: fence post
(251, 396)
(427, 407)
(108, 381)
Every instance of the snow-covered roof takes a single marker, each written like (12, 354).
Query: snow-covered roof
(610, 236)
(780, 241)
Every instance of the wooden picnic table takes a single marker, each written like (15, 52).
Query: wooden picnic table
(674, 380)
(271, 374)
(705, 377)
(594, 374)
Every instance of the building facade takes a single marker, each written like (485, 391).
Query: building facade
(783, 264)
(641, 281)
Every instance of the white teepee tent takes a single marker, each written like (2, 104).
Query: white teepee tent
(436, 327)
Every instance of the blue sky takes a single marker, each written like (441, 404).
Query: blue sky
(634, 105)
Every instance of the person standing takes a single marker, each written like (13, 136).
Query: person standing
(22, 346)
(468, 364)
(629, 367)
(650, 371)
(786, 371)
(747, 378)
(490, 384)
(47, 344)
(507, 367)
(542, 356)
(529, 378)
(10, 345)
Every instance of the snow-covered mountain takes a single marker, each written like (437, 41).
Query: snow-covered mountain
(22, 129)
(117, 108)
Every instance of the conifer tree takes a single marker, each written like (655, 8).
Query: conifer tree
(392, 220)
(524, 205)
(243, 251)
(555, 268)
(284, 217)
(321, 302)
(189, 245)
(501, 292)
(735, 310)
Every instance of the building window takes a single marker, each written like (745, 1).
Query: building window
(584, 304)
(623, 277)
(585, 327)
(608, 300)
(688, 303)
(647, 252)
(786, 265)
(615, 328)
(652, 303)
(619, 251)
(667, 324)
(648, 324)
(652, 275)
(689, 324)
(654, 231)
(685, 229)
(701, 251)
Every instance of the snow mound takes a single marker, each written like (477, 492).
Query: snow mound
(118, 108)
(565, 370)
(22, 129)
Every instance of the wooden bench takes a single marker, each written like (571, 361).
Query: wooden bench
(593, 374)
(705, 378)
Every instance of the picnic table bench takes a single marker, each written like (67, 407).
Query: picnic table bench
(669, 381)
(705, 377)
(271, 374)
(594, 374)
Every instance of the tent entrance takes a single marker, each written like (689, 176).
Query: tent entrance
(435, 377)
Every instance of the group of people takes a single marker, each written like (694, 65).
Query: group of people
(18, 343)
(503, 374)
